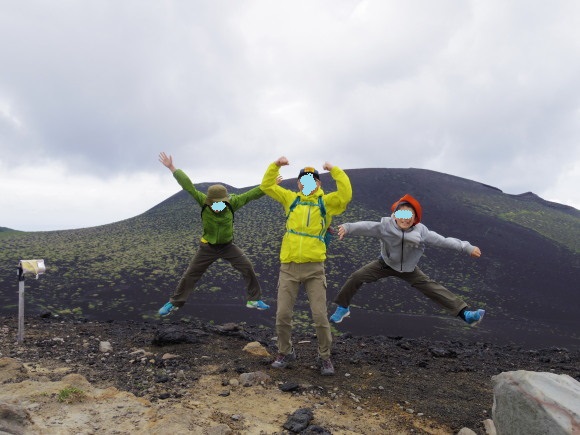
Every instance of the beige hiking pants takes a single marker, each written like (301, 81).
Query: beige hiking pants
(312, 276)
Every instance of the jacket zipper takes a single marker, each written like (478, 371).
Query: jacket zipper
(306, 226)
(402, 251)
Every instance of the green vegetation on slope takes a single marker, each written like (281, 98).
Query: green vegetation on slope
(128, 269)
(551, 222)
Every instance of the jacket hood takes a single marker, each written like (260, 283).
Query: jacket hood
(413, 203)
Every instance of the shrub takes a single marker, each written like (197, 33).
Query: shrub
(71, 395)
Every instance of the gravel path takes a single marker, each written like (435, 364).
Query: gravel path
(403, 385)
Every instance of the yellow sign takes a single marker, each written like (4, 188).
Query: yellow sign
(33, 267)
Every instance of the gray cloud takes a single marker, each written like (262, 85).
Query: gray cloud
(482, 89)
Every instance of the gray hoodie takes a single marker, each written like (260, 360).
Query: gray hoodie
(402, 250)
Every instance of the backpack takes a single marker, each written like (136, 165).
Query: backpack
(325, 235)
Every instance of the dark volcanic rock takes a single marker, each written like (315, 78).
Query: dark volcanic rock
(289, 386)
(174, 335)
(315, 430)
(299, 420)
(442, 353)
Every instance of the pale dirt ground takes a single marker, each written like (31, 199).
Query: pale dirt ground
(261, 409)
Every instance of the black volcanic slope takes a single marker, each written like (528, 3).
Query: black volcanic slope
(527, 278)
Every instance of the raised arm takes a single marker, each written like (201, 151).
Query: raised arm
(242, 199)
(336, 202)
(167, 161)
(182, 179)
(270, 182)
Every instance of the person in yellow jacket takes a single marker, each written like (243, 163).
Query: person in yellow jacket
(309, 213)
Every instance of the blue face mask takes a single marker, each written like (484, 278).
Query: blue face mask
(308, 184)
(404, 214)
(218, 206)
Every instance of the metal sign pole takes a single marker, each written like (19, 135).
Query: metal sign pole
(20, 304)
(30, 267)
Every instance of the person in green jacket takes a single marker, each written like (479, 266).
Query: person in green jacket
(217, 215)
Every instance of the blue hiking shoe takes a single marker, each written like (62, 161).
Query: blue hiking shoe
(340, 314)
(472, 318)
(257, 304)
(166, 309)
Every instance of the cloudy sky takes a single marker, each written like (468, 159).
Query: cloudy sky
(91, 91)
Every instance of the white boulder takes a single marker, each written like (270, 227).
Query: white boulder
(531, 403)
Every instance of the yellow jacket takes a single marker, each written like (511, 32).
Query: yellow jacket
(299, 248)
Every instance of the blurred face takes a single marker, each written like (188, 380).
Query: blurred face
(307, 184)
(405, 217)
(218, 206)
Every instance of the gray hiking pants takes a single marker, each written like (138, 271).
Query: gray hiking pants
(205, 256)
(378, 269)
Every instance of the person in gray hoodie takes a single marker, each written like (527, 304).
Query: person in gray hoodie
(403, 239)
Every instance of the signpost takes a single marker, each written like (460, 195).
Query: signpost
(26, 267)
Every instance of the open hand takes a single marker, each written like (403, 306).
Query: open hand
(327, 166)
(341, 232)
(167, 161)
(476, 252)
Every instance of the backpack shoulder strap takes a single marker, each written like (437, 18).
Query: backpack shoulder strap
(203, 207)
(297, 201)
(322, 207)
(228, 205)
(293, 206)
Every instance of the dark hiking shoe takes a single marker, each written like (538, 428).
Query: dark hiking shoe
(326, 367)
(282, 361)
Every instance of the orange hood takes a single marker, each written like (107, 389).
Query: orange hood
(413, 203)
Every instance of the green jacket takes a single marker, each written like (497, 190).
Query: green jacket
(218, 227)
